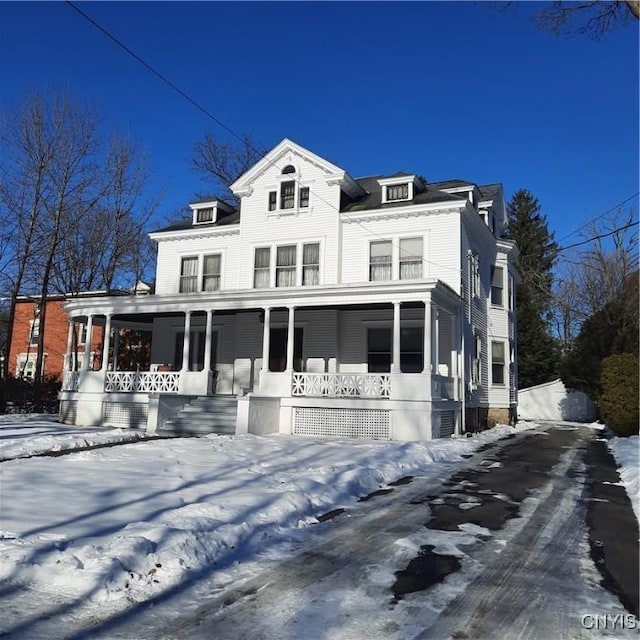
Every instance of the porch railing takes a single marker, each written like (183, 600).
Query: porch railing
(70, 380)
(342, 385)
(142, 381)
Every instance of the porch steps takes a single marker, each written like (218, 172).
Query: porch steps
(204, 415)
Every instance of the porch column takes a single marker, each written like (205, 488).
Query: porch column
(186, 341)
(116, 347)
(435, 328)
(68, 359)
(395, 361)
(266, 335)
(87, 344)
(106, 343)
(290, 341)
(207, 341)
(426, 338)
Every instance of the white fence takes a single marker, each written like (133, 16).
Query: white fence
(142, 381)
(342, 385)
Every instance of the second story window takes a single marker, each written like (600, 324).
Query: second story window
(211, 273)
(311, 264)
(286, 266)
(410, 258)
(497, 286)
(189, 275)
(380, 260)
(261, 268)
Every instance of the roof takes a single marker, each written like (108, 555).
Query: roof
(232, 218)
(490, 191)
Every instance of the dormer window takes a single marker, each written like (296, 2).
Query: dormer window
(204, 215)
(398, 192)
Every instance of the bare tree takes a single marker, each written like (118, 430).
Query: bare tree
(223, 163)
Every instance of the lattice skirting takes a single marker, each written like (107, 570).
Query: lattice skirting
(68, 411)
(447, 423)
(132, 415)
(342, 423)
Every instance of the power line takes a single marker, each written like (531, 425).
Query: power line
(598, 237)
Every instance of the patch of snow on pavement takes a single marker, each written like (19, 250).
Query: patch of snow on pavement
(128, 523)
(626, 451)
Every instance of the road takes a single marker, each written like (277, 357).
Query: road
(516, 543)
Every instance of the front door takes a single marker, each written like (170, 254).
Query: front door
(278, 349)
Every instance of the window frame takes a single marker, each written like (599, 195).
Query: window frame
(496, 363)
(210, 211)
(497, 287)
(287, 268)
(183, 278)
(266, 269)
(402, 188)
(34, 332)
(205, 275)
(416, 260)
(388, 263)
(309, 265)
(300, 198)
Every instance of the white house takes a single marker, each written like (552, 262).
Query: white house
(378, 307)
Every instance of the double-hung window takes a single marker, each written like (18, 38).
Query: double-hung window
(380, 260)
(410, 258)
(311, 264)
(286, 266)
(497, 286)
(497, 363)
(287, 194)
(211, 273)
(262, 268)
(189, 275)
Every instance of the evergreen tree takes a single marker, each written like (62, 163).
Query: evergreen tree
(538, 351)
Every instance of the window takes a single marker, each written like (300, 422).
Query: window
(311, 264)
(380, 259)
(497, 363)
(474, 275)
(34, 334)
(211, 273)
(410, 258)
(510, 291)
(189, 275)
(261, 268)
(286, 266)
(287, 194)
(476, 371)
(204, 215)
(273, 196)
(288, 169)
(398, 192)
(379, 350)
(497, 286)
(304, 197)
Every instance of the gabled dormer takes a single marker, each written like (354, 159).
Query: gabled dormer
(400, 188)
(210, 211)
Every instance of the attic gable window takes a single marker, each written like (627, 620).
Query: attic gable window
(290, 195)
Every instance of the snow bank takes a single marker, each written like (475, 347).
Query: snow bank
(129, 522)
(626, 452)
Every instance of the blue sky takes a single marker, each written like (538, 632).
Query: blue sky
(445, 90)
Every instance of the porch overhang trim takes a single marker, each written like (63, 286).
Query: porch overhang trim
(343, 295)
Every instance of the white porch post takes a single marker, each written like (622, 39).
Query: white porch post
(106, 343)
(207, 341)
(186, 341)
(87, 344)
(290, 341)
(395, 361)
(435, 328)
(426, 368)
(116, 347)
(266, 335)
(68, 359)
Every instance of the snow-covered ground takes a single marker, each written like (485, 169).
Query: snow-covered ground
(626, 451)
(127, 522)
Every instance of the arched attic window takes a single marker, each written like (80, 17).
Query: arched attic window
(290, 191)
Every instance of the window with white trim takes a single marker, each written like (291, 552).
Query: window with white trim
(410, 258)
(290, 195)
(510, 292)
(497, 363)
(262, 267)
(189, 274)
(397, 192)
(34, 332)
(474, 274)
(380, 260)
(497, 286)
(204, 215)
(286, 266)
(476, 368)
(311, 264)
(211, 272)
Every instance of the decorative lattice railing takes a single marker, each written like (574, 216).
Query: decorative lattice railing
(342, 385)
(70, 380)
(142, 381)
